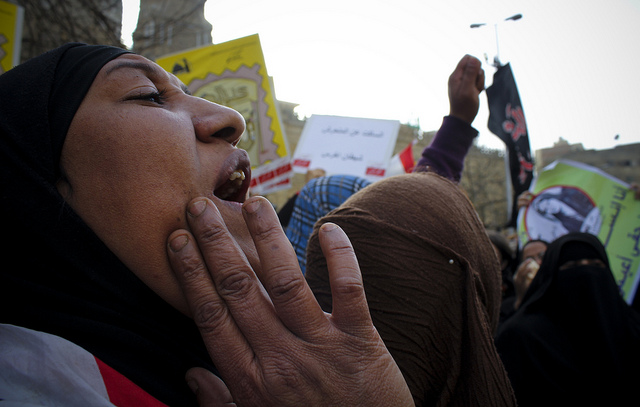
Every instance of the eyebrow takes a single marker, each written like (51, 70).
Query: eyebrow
(146, 68)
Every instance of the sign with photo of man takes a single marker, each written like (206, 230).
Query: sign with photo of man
(574, 197)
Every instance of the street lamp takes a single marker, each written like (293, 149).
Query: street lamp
(496, 59)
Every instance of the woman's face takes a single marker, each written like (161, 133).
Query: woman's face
(138, 150)
(534, 250)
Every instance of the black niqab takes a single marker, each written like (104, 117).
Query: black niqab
(58, 277)
(574, 340)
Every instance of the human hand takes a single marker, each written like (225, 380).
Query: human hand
(525, 274)
(524, 199)
(266, 333)
(210, 390)
(465, 84)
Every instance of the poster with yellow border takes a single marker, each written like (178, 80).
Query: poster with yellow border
(11, 18)
(234, 74)
(574, 197)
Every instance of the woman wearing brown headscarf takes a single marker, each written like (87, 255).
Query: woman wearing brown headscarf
(432, 282)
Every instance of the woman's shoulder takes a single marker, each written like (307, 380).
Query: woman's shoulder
(37, 368)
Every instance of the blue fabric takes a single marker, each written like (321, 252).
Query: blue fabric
(444, 156)
(317, 198)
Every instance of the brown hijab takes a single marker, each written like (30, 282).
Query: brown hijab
(432, 281)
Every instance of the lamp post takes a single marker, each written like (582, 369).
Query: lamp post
(496, 59)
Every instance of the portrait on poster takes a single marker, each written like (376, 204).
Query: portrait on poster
(559, 210)
(569, 196)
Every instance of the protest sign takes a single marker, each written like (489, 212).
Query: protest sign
(346, 145)
(234, 74)
(571, 196)
(11, 20)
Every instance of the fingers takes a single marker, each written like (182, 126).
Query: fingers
(527, 271)
(281, 276)
(524, 199)
(480, 80)
(219, 286)
(210, 390)
(456, 76)
(465, 84)
(470, 72)
(350, 311)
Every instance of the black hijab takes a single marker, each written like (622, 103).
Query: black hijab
(58, 277)
(574, 339)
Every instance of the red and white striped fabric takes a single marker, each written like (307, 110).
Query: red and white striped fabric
(38, 369)
(403, 162)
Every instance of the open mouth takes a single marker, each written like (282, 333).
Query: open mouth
(233, 183)
(233, 188)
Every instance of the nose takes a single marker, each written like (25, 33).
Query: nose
(213, 121)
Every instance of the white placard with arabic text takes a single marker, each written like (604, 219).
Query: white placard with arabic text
(346, 145)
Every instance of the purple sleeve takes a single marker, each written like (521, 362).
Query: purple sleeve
(445, 155)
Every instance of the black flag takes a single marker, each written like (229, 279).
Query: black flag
(506, 120)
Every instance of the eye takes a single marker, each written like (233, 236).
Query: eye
(156, 97)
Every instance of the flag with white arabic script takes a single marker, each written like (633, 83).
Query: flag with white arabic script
(506, 120)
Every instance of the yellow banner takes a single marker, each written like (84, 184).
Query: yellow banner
(234, 74)
(11, 17)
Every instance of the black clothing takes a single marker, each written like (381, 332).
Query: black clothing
(573, 341)
(64, 280)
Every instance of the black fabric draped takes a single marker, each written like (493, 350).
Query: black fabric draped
(57, 276)
(573, 341)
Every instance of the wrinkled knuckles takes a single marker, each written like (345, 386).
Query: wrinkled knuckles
(211, 234)
(286, 289)
(235, 285)
(211, 316)
(349, 287)
(267, 233)
(191, 268)
(341, 249)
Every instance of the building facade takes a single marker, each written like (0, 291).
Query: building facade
(622, 162)
(169, 26)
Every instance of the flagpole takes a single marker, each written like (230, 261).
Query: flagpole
(496, 60)
(506, 121)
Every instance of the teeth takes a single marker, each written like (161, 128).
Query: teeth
(232, 187)
(237, 175)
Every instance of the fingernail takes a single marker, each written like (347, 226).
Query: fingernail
(252, 206)
(193, 385)
(178, 243)
(328, 227)
(196, 208)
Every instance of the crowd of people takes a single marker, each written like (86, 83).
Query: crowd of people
(144, 276)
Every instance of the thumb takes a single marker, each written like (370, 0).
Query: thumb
(209, 389)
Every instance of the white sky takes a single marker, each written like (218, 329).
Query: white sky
(576, 62)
